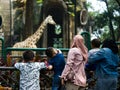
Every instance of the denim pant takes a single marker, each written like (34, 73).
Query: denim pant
(106, 84)
(56, 83)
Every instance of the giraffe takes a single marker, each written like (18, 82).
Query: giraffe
(31, 41)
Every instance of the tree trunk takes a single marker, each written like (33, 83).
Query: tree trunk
(110, 15)
(28, 30)
(118, 2)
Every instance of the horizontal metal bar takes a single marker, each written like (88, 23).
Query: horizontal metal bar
(118, 43)
(34, 49)
(8, 68)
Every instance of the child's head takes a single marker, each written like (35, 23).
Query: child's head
(28, 56)
(50, 52)
(38, 58)
(95, 43)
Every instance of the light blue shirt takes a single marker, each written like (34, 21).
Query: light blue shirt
(106, 63)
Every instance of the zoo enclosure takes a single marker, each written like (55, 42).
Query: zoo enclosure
(14, 83)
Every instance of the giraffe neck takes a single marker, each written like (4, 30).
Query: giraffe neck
(36, 36)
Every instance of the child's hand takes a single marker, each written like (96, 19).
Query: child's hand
(50, 67)
(46, 63)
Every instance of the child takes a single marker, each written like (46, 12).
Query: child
(90, 68)
(29, 71)
(57, 62)
(95, 44)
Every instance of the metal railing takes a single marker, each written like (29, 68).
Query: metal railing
(9, 76)
(2, 47)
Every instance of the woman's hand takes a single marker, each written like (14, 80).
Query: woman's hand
(62, 81)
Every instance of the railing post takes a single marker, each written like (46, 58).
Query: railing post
(86, 36)
(2, 40)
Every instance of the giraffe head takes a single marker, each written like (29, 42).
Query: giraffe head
(50, 20)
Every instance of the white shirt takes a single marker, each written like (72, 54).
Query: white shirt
(29, 75)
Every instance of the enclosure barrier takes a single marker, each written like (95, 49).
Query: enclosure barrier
(86, 36)
(2, 47)
(11, 71)
(9, 49)
(8, 77)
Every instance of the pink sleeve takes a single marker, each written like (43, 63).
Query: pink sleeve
(69, 64)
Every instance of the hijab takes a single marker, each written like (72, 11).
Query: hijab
(78, 42)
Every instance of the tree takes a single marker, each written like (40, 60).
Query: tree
(26, 17)
(109, 18)
(118, 2)
(29, 19)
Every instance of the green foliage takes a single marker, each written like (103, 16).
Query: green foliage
(71, 10)
(106, 33)
(101, 20)
(72, 4)
(88, 5)
(39, 1)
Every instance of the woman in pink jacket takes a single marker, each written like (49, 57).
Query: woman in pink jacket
(74, 71)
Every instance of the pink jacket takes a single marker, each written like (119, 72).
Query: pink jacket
(76, 59)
